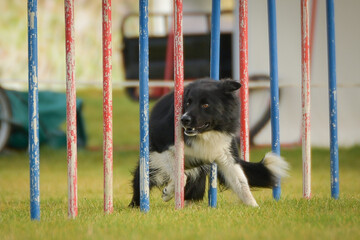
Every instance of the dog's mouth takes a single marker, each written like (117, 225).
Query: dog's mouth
(191, 132)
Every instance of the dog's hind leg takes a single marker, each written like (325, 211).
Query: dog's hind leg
(195, 185)
(236, 180)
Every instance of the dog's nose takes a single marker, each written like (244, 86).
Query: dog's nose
(185, 120)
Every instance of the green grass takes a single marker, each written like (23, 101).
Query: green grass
(291, 218)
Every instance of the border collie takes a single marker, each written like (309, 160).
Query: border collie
(210, 121)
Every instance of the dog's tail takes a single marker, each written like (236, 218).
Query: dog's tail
(266, 172)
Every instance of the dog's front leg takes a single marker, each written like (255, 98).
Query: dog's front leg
(164, 163)
(236, 180)
(169, 191)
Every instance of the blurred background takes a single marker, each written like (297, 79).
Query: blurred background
(88, 30)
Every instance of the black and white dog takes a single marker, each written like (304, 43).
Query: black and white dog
(210, 121)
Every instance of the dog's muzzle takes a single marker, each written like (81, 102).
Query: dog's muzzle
(191, 131)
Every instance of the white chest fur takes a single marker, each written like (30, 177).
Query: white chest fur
(209, 146)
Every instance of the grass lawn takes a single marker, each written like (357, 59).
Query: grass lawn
(291, 218)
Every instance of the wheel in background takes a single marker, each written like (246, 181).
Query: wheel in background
(5, 117)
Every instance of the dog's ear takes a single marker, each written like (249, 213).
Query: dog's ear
(230, 86)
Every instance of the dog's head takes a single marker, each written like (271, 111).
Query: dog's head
(210, 105)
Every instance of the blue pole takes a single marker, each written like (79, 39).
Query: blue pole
(334, 151)
(34, 156)
(274, 88)
(214, 74)
(144, 105)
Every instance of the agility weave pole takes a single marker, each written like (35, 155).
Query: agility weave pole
(71, 131)
(107, 107)
(144, 104)
(334, 149)
(71, 109)
(313, 17)
(244, 80)
(33, 114)
(178, 103)
(305, 96)
(274, 88)
(214, 74)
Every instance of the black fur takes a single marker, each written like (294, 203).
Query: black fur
(210, 106)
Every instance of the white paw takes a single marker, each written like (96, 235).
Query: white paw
(188, 203)
(252, 203)
(167, 195)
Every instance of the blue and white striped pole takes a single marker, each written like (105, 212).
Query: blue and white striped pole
(214, 74)
(34, 155)
(144, 105)
(334, 150)
(274, 88)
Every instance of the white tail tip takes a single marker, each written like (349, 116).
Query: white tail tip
(277, 165)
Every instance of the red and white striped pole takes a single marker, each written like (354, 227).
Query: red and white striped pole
(313, 16)
(71, 109)
(244, 80)
(178, 102)
(305, 95)
(107, 108)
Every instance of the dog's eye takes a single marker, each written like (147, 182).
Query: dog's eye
(188, 103)
(205, 105)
